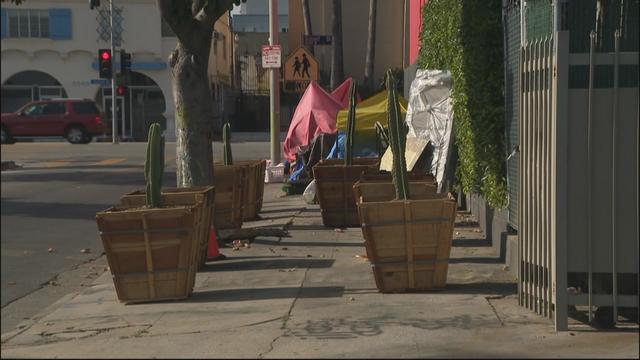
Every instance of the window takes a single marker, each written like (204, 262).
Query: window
(54, 108)
(34, 110)
(28, 23)
(84, 108)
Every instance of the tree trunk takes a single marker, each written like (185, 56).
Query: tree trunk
(337, 63)
(371, 46)
(194, 113)
(306, 15)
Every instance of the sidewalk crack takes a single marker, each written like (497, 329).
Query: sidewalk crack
(489, 298)
(286, 318)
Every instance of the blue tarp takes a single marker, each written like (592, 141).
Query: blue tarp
(337, 152)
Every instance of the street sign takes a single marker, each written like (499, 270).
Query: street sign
(299, 69)
(101, 82)
(310, 40)
(271, 55)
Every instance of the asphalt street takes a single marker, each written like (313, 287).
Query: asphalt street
(49, 205)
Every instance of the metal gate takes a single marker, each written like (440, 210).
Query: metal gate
(578, 198)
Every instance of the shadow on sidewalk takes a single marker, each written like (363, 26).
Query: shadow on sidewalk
(476, 260)
(268, 264)
(471, 243)
(307, 243)
(265, 294)
(481, 288)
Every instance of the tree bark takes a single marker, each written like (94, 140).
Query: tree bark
(337, 62)
(192, 22)
(194, 114)
(371, 46)
(306, 15)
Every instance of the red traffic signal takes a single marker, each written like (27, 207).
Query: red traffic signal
(104, 64)
(120, 90)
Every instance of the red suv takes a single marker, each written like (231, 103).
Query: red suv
(78, 120)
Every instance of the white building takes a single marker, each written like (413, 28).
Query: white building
(50, 49)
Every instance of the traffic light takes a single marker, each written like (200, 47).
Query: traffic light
(94, 4)
(104, 63)
(121, 90)
(125, 62)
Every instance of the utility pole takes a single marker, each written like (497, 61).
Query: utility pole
(114, 97)
(274, 88)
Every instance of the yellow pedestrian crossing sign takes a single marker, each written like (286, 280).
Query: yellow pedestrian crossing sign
(299, 69)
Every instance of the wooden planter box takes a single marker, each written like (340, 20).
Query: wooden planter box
(253, 187)
(203, 197)
(407, 242)
(151, 252)
(228, 181)
(334, 189)
(378, 176)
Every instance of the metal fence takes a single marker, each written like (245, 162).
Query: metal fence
(578, 180)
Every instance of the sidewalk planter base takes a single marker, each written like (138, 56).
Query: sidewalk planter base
(229, 183)
(151, 251)
(253, 187)
(203, 196)
(408, 242)
(334, 188)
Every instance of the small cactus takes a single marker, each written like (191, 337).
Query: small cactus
(398, 140)
(351, 125)
(154, 166)
(226, 140)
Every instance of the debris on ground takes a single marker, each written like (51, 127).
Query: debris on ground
(338, 230)
(351, 299)
(53, 283)
(287, 270)
(51, 249)
(284, 248)
(309, 255)
(505, 268)
(85, 250)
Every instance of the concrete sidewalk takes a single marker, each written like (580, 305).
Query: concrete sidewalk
(312, 295)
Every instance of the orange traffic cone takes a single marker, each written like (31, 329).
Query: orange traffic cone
(213, 251)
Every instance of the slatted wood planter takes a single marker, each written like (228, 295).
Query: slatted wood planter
(203, 196)
(228, 181)
(334, 189)
(253, 187)
(408, 242)
(151, 251)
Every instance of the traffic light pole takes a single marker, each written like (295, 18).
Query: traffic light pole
(114, 97)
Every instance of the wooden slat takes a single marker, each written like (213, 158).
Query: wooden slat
(149, 256)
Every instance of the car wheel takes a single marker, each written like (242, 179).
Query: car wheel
(76, 135)
(5, 136)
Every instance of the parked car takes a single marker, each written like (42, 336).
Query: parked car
(77, 120)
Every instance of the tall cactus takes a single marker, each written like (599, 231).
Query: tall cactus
(154, 166)
(226, 140)
(397, 139)
(351, 126)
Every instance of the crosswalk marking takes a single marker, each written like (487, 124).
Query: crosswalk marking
(109, 161)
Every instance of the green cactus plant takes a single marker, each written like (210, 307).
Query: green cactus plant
(226, 140)
(398, 140)
(154, 166)
(351, 126)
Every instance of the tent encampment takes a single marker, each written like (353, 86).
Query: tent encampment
(367, 113)
(316, 113)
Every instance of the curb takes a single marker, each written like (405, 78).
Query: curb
(9, 165)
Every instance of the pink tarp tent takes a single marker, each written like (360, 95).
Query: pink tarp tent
(341, 93)
(316, 113)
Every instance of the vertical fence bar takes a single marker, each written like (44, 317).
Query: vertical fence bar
(592, 38)
(544, 178)
(616, 74)
(549, 188)
(536, 177)
(529, 179)
(521, 226)
(559, 187)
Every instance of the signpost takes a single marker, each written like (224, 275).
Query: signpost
(312, 40)
(299, 70)
(271, 55)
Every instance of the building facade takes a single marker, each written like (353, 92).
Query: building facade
(49, 49)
